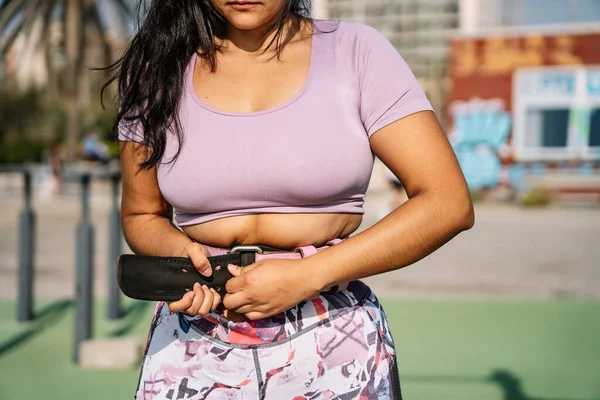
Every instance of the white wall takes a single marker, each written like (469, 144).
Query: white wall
(480, 14)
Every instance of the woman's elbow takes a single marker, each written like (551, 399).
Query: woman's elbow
(128, 229)
(456, 210)
(463, 213)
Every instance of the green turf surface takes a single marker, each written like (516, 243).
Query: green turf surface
(480, 350)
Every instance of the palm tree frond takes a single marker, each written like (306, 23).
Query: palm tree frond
(35, 19)
(46, 35)
(47, 22)
(10, 36)
(124, 7)
(21, 22)
(106, 47)
(8, 13)
(46, 45)
(124, 15)
(34, 9)
(5, 4)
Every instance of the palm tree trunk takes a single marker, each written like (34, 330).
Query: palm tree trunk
(73, 37)
(47, 46)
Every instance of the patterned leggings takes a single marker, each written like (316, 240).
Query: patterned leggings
(335, 346)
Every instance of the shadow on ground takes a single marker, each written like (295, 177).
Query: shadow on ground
(508, 382)
(47, 317)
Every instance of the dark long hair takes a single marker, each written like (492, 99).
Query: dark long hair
(151, 71)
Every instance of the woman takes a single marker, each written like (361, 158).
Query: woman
(258, 126)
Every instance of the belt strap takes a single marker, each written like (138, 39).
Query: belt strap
(307, 251)
(169, 278)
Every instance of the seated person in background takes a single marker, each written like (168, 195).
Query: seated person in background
(95, 150)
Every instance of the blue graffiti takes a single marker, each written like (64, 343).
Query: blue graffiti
(586, 169)
(593, 83)
(538, 169)
(478, 137)
(517, 177)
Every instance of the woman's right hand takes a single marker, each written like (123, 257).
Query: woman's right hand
(200, 300)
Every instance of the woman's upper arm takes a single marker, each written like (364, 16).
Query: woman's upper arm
(416, 149)
(141, 194)
(403, 131)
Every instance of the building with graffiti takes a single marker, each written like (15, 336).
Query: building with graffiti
(524, 106)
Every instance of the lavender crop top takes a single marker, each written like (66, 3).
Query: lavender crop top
(310, 154)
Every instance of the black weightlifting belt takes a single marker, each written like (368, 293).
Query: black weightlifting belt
(169, 278)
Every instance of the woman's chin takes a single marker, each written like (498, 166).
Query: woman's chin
(247, 22)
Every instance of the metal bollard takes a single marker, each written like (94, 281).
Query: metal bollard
(26, 253)
(114, 239)
(84, 258)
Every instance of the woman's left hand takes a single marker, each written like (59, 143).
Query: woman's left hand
(268, 287)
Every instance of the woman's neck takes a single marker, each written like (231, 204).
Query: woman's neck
(255, 42)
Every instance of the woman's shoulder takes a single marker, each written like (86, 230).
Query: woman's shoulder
(349, 32)
(351, 38)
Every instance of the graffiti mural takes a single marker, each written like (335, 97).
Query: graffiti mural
(481, 129)
(480, 139)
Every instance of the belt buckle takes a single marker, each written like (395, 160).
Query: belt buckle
(247, 254)
(246, 249)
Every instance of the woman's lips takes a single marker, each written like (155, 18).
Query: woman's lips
(242, 5)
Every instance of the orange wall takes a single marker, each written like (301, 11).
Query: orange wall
(483, 67)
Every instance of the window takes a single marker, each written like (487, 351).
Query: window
(594, 138)
(556, 114)
(547, 128)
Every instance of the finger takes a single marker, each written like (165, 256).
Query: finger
(235, 284)
(185, 302)
(235, 270)
(216, 299)
(198, 299)
(246, 308)
(195, 248)
(207, 302)
(195, 252)
(254, 315)
(233, 301)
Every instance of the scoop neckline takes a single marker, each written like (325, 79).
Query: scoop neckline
(293, 99)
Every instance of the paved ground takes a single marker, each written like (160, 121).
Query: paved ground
(511, 252)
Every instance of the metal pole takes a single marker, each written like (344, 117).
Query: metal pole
(26, 253)
(115, 249)
(84, 257)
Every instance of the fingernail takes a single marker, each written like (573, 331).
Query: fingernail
(234, 267)
(196, 285)
(212, 290)
(204, 287)
(191, 295)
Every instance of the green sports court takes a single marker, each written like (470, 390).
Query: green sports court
(448, 349)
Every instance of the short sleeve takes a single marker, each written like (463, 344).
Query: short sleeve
(389, 90)
(131, 131)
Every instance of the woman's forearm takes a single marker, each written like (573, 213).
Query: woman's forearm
(412, 231)
(153, 235)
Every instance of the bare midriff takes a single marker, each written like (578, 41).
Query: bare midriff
(284, 231)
